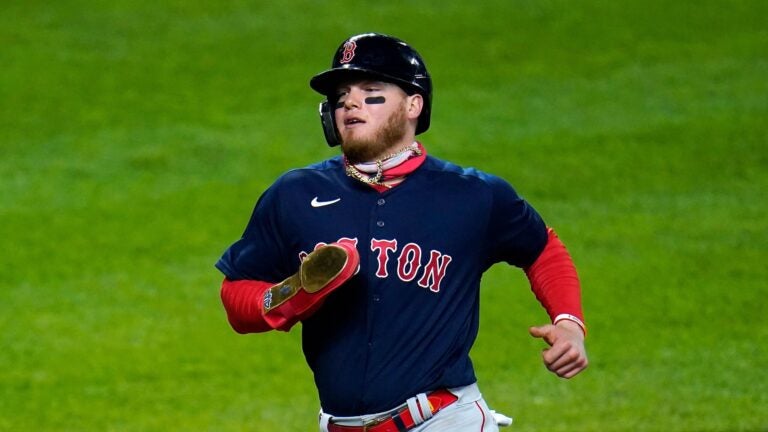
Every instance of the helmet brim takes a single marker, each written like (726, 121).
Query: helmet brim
(326, 83)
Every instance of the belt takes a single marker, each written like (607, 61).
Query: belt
(401, 420)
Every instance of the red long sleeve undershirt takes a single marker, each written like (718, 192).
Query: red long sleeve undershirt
(242, 300)
(554, 280)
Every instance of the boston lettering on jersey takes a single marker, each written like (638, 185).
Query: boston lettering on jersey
(408, 264)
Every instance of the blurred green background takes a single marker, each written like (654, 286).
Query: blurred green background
(136, 136)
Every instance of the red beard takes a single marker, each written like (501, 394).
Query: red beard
(358, 150)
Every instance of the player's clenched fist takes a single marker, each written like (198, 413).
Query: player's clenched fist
(566, 355)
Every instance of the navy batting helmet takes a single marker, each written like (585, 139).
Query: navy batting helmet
(381, 57)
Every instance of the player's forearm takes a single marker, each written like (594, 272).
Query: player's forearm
(555, 282)
(242, 300)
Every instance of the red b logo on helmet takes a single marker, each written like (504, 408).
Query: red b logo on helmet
(349, 52)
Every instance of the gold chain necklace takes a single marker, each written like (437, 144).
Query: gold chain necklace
(355, 173)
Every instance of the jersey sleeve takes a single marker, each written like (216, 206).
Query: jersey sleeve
(516, 233)
(261, 253)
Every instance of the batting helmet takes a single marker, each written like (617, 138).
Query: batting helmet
(381, 57)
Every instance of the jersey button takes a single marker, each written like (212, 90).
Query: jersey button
(376, 298)
(381, 201)
(380, 224)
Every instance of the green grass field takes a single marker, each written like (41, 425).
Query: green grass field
(136, 136)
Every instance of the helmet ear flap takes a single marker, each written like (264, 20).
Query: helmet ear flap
(329, 124)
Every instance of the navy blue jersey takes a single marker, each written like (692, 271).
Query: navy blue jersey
(406, 322)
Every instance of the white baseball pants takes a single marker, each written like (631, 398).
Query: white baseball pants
(469, 413)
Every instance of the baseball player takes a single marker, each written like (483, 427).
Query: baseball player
(379, 253)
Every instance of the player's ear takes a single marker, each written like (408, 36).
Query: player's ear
(415, 103)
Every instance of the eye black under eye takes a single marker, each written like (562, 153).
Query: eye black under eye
(374, 100)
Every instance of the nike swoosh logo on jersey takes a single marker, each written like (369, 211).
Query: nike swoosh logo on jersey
(316, 203)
